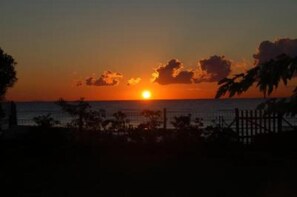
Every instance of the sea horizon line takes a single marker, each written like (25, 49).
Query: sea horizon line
(138, 100)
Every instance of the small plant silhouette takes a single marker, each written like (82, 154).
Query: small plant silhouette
(83, 116)
(198, 123)
(94, 120)
(120, 121)
(45, 121)
(182, 122)
(78, 110)
(153, 120)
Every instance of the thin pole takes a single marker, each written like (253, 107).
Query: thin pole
(165, 118)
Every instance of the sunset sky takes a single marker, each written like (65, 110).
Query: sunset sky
(115, 49)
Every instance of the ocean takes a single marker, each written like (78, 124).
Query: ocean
(207, 109)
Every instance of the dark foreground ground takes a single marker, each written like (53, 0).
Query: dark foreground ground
(56, 163)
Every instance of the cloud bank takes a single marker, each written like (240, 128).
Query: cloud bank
(108, 78)
(270, 50)
(213, 69)
(172, 73)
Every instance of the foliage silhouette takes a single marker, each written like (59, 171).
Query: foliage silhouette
(94, 120)
(198, 123)
(153, 120)
(267, 77)
(84, 116)
(120, 121)
(219, 136)
(7, 76)
(45, 121)
(7, 72)
(79, 111)
(182, 122)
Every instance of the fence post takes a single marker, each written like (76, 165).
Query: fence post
(12, 115)
(279, 122)
(237, 121)
(165, 118)
(80, 121)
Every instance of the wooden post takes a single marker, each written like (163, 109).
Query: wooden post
(13, 115)
(165, 118)
(274, 122)
(80, 121)
(265, 122)
(256, 122)
(279, 122)
(261, 122)
(247, 129)
(237, 122)
(269, 122)
(252, 122)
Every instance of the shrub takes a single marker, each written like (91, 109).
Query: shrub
(182, 122)
(198, 123)
(120, 121)
(153, 120)
(94, 120)
(83, 116)
(45, 121)
(220, 136)
(77, 110)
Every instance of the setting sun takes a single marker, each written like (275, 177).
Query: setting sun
(146, 94)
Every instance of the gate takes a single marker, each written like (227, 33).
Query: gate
(250, 123)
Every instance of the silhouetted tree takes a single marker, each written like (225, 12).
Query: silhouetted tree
(7, 72)
(7, 75)
(78, 109)
(267, 77)
(84, 116)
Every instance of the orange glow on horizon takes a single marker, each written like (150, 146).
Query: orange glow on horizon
(146, 94)
(20, 91)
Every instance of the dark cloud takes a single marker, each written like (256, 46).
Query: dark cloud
(213, 69)
(108, 78)
(172, 73)
(270, 50)
(134, 81)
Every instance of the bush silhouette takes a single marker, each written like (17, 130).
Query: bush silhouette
(78, 110)
(45, 121)
(120, 121)
(94, 120)
(182, 122)
(153, 120)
